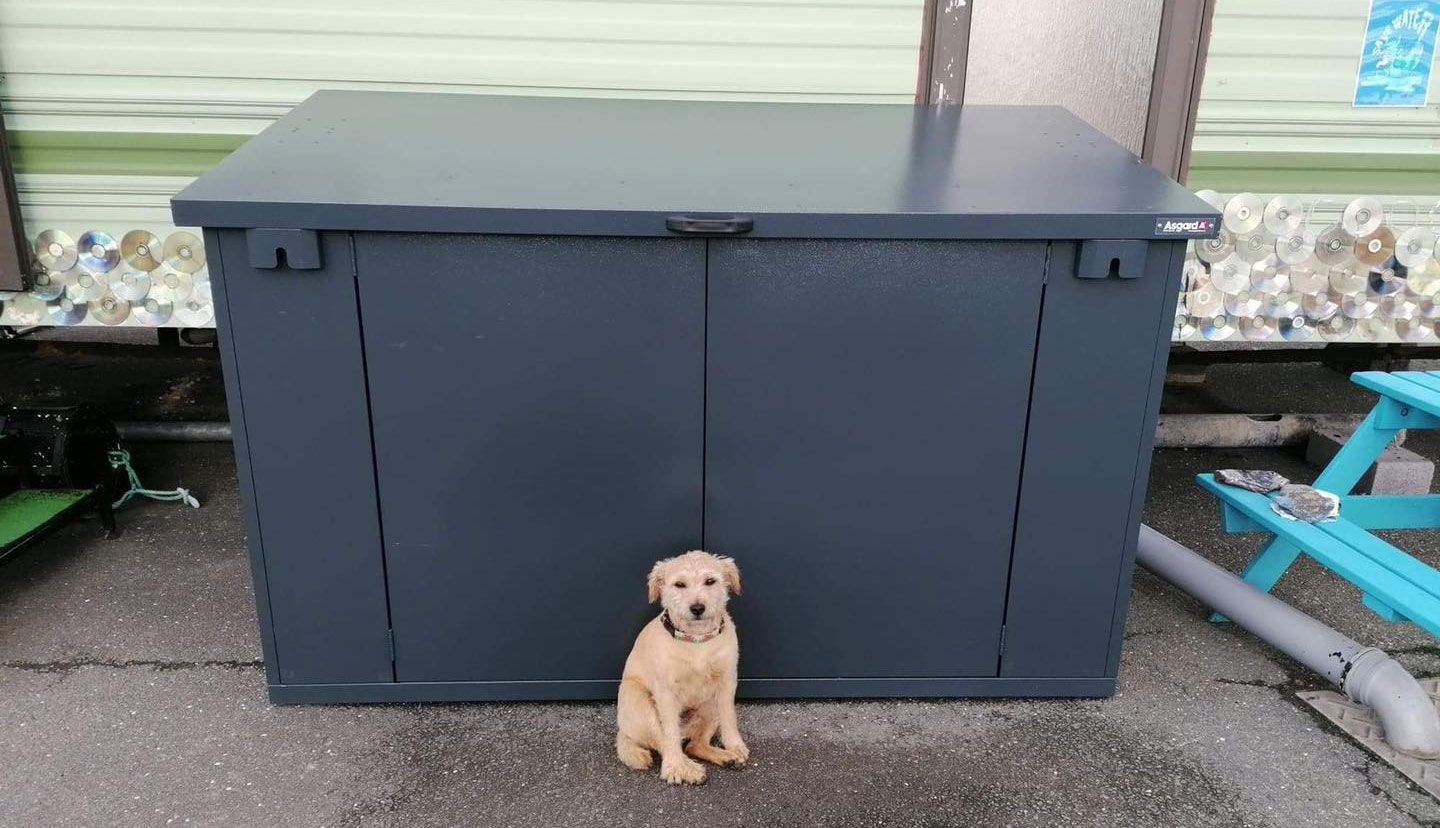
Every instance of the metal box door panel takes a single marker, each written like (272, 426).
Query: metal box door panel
(537, 407)
(1096, 393)
(295, 383)
(865, 420)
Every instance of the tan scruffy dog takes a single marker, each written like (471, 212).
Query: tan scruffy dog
(679, 683)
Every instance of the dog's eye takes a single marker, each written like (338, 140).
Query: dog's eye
(709, 582)
(679, 584)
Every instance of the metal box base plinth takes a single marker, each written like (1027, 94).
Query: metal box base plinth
(870, 688)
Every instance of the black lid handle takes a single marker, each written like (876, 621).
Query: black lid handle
(715, 226)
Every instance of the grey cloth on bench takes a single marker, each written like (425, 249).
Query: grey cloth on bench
(1256, 480)
(1300, 502)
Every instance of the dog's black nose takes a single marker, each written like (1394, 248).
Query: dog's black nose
(697, 610)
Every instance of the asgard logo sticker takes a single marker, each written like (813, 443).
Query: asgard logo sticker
(1184, 227)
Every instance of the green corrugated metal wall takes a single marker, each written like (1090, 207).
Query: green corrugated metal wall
(1275, 110)
(153, 91)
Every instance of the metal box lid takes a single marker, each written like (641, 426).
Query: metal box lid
(417, 162)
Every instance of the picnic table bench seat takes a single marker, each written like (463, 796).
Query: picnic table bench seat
(1396, 585)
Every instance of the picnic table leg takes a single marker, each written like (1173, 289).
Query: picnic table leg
(1266, 567)
(1360, 451)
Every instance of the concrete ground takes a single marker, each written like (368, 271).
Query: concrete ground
(131, 692)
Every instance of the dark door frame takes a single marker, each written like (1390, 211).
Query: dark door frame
(944, 50)
(1179, 71)
(1175, 85)
(14, 244)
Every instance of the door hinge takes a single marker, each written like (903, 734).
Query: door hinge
(390, 644)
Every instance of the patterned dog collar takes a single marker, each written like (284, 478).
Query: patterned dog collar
(681, 635)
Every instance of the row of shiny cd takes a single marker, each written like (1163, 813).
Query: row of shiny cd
(1338, 328)
(81, 285)
(1282, 215)
(196, 310)
(98, 252)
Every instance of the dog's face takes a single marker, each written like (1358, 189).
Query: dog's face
(693, 588)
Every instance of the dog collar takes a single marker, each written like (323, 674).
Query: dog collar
(681, 635)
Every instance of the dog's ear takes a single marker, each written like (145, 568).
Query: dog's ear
(731, 571)
(655, 580)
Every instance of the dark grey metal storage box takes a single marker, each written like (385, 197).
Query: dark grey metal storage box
(489, 357)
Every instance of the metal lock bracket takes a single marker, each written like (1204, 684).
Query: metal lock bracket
(1105, 258)
(273, 247)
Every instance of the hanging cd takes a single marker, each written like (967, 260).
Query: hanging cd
(1203, 302)
(1320, 306)
(1414, 330)
(171, 285)
(1193, 277)
(98, 252)
(194, 313)
(1243, 213)
(1424, 279)
(1376, 248)
(1358, 305)
(1296, 246)
(1399, 306)
(55, 250)
(141, 249)
(1270, 276)
(1429, 308)
(66, 312)
(1362, 216)
(87, 288)
(1184, 328)
(1284, 214)
(1334, 246)
(1216, 328)
(1257, 328)
(1212, 198)
(152, 312)
(47, 285)
(184, 252)
(110, 310)
(1296, 329)
(1282, 305)
(1372, 330)
(1307, 279)
(26, 311)
(1384, 281)
(1216, 249)
(1415, 247)
(1346, 280)
(1244, 303)
(1230, 276)
(201, 290)
(1252, 247)
(1336, 327)
(130, 285)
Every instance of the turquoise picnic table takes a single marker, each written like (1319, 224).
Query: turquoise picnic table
(1396, 585)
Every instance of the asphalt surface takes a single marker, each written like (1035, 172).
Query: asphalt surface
(131, 692)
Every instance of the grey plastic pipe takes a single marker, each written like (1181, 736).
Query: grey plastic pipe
(174, 432)
(1366, 674)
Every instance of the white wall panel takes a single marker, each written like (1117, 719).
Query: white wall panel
(188, 66)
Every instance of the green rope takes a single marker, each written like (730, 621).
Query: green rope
(120, 459)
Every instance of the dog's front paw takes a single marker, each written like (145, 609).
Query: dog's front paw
(739, 751)
(682, 772)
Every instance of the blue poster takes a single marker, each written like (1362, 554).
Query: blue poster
(1399, 53)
